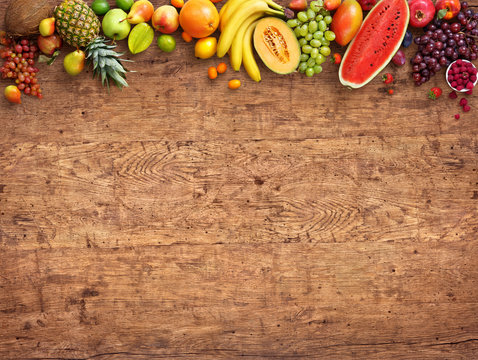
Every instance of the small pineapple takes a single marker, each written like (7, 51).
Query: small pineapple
(79, 26)
(76, 23)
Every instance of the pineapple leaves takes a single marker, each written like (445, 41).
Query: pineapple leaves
(106, 62)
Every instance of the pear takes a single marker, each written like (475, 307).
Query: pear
(141, 11)
(74, 62)
(47, 26)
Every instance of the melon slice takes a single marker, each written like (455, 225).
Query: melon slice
(377, 40)
(276, 45)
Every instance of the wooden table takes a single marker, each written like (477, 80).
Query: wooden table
(293, 218)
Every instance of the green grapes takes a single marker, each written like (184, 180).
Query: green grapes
(311, 27)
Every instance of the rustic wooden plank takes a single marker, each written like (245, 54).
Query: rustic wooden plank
(226, 300)
(366, 189)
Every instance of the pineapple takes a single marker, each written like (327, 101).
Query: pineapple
(76, 23)
(79, 26)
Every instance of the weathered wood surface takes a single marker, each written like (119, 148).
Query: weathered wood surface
(289, 219)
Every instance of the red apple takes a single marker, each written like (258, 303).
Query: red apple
(47, 26)
(165, 19)
(367, 4)
(332, 4)
(49, 44)
(298, 5)
(421, 12)
(447, 9)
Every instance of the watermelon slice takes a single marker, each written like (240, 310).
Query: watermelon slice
(377, 40)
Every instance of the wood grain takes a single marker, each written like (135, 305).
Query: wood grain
(293, 218)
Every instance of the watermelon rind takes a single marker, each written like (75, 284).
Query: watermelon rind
(368, 24)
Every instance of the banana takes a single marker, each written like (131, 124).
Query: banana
(224, 8)
(231, 6)
(248, 59)
(274, 5)
(235, 54)
(249, 8)
(227, 10)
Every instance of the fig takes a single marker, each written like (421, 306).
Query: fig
(23, 17)
(399, 58)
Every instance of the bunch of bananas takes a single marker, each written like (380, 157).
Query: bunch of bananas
(237, 21)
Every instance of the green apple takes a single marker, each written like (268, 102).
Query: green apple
(115, 25)
(124, 4)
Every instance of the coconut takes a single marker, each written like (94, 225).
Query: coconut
(23, 17)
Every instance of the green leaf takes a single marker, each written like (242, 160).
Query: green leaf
(441, 13)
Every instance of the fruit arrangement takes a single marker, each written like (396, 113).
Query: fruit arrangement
(444, 42)
(299, 38)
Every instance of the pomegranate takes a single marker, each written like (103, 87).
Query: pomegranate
(421, 12)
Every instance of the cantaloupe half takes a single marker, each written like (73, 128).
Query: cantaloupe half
(376, 42)
(276, 45)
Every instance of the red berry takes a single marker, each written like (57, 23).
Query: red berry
(466, 108)
(457, 116)
(452, 95)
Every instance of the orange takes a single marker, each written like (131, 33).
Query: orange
(212, 72)
(199, 18)
(186, 37)
(234, 84)
(221, 68)
(177, 3)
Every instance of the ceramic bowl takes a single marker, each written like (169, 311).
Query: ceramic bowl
(448, 82)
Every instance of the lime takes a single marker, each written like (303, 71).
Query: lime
(100, 7)
(124, 5)
(166, 43)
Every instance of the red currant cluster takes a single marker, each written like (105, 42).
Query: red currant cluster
(19, 65)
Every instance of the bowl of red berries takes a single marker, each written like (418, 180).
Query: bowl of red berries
(461, 75)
